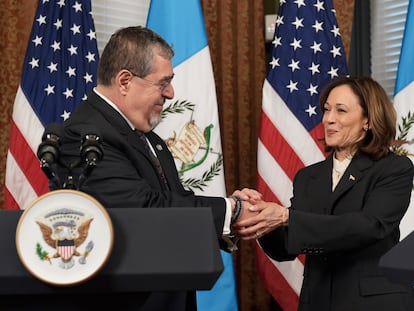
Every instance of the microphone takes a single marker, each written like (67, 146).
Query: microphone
(91, 148)
(91, 152)
(48, 151)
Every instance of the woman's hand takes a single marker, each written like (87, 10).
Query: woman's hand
(269, 217)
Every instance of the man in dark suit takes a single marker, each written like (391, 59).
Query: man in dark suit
(138, 170)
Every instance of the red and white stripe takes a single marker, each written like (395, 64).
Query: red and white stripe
(284, 146)
(25, 180)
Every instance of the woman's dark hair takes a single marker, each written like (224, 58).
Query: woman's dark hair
(376, 106)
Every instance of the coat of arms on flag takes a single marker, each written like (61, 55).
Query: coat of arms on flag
(191, 145)
(188, 143)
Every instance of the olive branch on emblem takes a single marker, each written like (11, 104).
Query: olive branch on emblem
(43, 255)
(199, 183)
(403, 128)
(177, 107)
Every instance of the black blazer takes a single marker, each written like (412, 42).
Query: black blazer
(345, 232)
(126, 177)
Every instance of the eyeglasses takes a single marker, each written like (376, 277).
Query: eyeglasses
(161, 85)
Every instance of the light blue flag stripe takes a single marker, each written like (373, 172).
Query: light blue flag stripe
(222, 297)
(181, 24)
(406, 63)
(403, 95)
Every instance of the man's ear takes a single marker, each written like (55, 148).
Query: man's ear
(123, 80)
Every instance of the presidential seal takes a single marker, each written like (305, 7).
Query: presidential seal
(64, 238)
(65, 230)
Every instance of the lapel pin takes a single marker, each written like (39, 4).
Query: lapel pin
(159, 147)
(351, 177)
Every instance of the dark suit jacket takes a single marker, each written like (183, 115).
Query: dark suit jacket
(126, 177)
(345, 232)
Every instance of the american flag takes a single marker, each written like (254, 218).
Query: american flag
(59, 69)
(307, 52)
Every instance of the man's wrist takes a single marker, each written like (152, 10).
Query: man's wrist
(236, 211)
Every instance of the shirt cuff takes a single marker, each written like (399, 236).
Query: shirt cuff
(230, 240)
(227, 218)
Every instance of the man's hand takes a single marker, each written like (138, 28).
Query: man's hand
(247, 194)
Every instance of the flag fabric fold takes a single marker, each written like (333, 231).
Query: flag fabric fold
(59, 69)
(307, 53)
(403, 96)
(190, 122)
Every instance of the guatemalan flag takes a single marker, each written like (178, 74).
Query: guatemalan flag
(59, 69)
(190, 122)
(404, 104)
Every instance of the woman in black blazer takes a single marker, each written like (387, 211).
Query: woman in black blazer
(346, 210)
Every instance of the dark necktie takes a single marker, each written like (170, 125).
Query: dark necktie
(153, 158)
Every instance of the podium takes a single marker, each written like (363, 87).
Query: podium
(155, 249)
(398, 262)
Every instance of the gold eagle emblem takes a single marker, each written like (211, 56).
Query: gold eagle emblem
(68, 231)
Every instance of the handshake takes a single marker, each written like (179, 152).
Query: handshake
(252, 217)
